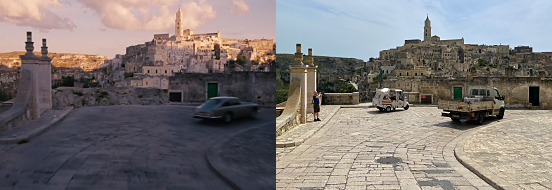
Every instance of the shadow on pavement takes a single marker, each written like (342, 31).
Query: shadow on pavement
(467, 124)
(376, 111)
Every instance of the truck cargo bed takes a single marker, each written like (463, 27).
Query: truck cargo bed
(461, 106)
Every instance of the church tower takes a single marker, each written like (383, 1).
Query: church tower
(178, 28)
(427, 30)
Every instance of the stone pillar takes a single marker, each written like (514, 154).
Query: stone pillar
(311, 81)
(45, 79)
(41, 78)
(299, 73)
(29, 62)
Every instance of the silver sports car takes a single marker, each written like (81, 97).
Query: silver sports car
(225, 108)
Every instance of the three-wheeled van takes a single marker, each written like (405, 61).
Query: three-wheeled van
(389, 99)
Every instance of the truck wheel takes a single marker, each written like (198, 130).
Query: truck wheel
(388, 109)
(407, 106)
(501, 114)
(380, 109)
(455, 119)
(480, 118)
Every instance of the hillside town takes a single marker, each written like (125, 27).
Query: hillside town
(151, 64)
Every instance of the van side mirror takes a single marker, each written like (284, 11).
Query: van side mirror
(503, 97)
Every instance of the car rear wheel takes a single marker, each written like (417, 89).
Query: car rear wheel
(227, 117)
(253, 113)
(388, 109)
(455, 119)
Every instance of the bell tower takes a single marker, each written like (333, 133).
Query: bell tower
(427, 30)
(178, 28)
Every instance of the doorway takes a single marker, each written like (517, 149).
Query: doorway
(175, 96)
(534, 95)
(426, 99)
(457, 92)
(212, 90)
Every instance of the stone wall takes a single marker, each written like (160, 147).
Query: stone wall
(516, 89)
(19, 112)
(84, 97)
(342, 98)
(257, 86)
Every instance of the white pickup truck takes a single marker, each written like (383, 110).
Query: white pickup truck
(481, 102)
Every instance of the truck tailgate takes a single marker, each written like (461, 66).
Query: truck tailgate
(455, 106)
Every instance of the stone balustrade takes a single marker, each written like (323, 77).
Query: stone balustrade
(341, 98)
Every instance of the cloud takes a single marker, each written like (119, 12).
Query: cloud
(34, 13)
(139, 15)
(239, 7)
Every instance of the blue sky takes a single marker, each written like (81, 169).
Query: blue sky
(360, 29)
(107, 27)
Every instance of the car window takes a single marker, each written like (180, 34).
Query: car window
(211, 103)
(235, 102)
(227, 103)
(497, 95)
(475, 92)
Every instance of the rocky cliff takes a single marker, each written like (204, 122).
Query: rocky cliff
(67, 60)
(82, 97)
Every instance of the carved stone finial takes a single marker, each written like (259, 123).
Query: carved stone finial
(44, 48)
(299, 55)
(29, 44)
(310, 60)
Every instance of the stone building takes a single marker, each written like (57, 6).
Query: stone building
(199, 87)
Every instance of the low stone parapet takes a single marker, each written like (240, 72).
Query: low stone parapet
(290, 116)
(17, 113)
(342, 98)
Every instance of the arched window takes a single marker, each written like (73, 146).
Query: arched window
(407, 74)
(148, 71)
(155, 70)
(415, 74)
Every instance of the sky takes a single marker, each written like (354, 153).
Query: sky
(107, 27)
(360, 29)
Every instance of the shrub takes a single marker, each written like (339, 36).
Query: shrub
(4, 96)
(488, 68)
(78, 93)
(67, 81)
(140, 96)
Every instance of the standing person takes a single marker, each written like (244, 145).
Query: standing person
(316, 105)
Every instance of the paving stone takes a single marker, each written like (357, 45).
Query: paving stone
(127, 147)
(420, 137)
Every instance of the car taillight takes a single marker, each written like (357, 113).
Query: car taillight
(212, 112)
(467, 117)
(444, 114)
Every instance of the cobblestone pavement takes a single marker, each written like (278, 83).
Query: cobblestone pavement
(519, 152)
(367, 149)
(24, 128)
(326, 111)
(257, 172)
(121, 147)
